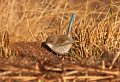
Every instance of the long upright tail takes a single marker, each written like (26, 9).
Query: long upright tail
(70, 24)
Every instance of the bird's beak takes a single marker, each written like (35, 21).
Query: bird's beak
(50, 45)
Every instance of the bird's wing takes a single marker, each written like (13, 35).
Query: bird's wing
(66, 41)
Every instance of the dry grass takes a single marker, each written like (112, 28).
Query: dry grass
(96, 29)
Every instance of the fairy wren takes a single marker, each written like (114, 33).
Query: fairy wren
(61, 44)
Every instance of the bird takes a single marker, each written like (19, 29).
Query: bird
(61, 44)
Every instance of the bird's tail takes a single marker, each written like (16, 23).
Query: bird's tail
(70, 24)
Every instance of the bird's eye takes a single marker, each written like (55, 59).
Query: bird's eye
(50, 41)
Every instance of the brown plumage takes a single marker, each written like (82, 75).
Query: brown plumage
(61, 44)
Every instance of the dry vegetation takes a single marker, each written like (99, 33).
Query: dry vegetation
(25, 24)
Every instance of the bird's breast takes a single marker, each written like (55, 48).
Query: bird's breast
(62, 49)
